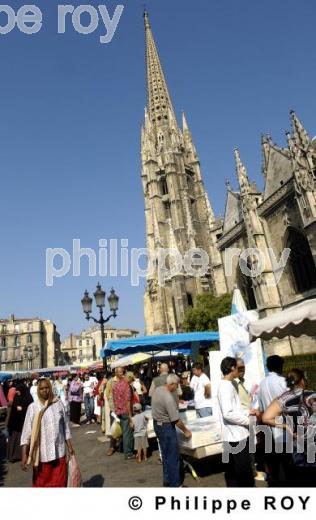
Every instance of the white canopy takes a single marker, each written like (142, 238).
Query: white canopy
(131, 359)
(295, 321)
(140, 357)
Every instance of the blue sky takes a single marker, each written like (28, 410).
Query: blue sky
(70, 116)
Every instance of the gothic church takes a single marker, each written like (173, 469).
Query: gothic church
(179, 216)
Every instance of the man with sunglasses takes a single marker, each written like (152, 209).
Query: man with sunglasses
(239, 384)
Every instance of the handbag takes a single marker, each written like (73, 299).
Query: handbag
(299, 459)
(76, 393)
(74, 474)
(116, 430)
(135, 399)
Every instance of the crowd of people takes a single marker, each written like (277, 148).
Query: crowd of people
(41, 412)
(281, 419)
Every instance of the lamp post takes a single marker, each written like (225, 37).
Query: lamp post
(99, 297)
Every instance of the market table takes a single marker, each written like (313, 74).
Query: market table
(188, 416)
(203, 451)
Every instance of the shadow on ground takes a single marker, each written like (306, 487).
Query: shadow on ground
(208, 466)
(95, 481)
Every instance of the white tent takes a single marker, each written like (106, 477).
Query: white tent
(132, 359)
(140, 357)
(294, 321)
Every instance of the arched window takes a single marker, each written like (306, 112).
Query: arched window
(301, 262)
(190, 300)
(190, 184)
(164, 186)
(244, 284)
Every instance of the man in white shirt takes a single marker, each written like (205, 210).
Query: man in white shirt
(33, 390)
(201, 385)
(88, 390)
(235, 429)
(271, 387)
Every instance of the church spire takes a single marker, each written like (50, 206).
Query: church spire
(300, 134)
(185, 126)
(241, 174)
(188, 141)
(160, 107)
(266, 144)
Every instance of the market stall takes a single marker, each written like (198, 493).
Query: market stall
(173, 344)
(295, 321)
(180, 342)
(142, 357)
(5, 376)
(39, 372)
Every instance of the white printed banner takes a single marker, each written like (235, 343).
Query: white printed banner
(235, 342)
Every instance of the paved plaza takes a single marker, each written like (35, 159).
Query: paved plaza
(99, 470)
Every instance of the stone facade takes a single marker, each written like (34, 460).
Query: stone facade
(178, 212)
(281, 218)
(27, 344)
(110, 333)
(78, 350)
(179, 216)
(85, 348)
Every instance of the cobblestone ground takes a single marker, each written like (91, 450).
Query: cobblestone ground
(99, 470)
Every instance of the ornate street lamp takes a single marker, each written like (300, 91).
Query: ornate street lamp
(99, 297)
(113, 300)
(86, 304)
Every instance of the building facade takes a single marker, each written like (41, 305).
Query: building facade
(78, 350)
(110, 333)
(85, 348)
(179, 216)
(279, 221)
(28, 343)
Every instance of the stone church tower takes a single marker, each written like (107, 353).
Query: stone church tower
(178, 213)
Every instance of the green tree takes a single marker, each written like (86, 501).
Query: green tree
(207, 311)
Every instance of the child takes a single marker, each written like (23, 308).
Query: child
(139, 425)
